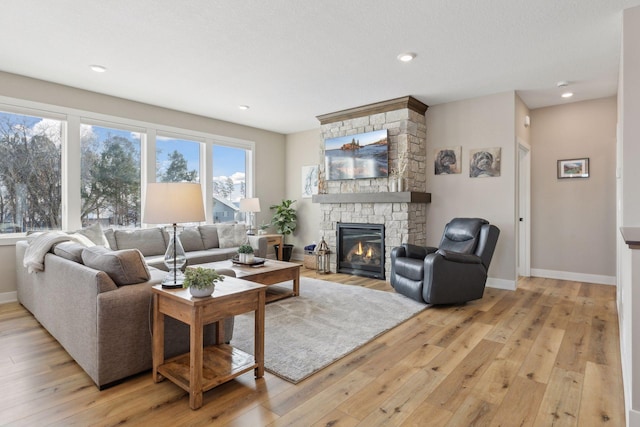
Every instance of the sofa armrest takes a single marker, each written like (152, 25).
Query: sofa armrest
(259, 245)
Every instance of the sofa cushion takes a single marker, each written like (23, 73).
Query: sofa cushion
(124, 267)
(111, 238)
(232, 235)
(149, 241)
(209, 235)
(95, 234)
(190, 239)
(69, 250)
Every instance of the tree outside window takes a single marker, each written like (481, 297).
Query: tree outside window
(110, 169)
(30, 173)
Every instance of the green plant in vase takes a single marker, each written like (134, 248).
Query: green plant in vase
(285, 221)
(245, 254)
(201, 281)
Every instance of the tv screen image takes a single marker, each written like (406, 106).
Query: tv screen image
(365, 155)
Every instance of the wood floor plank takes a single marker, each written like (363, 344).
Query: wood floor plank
(561, 402)
(520, 405)
(597, 407)
(541, 359)
(498, 378)
(451, 365)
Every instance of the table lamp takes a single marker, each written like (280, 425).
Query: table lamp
(252, 206)
(173, 203)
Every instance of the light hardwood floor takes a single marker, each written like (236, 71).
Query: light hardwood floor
(545, 355)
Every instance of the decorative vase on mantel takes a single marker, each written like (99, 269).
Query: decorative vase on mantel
(400, 184)
(393, 184)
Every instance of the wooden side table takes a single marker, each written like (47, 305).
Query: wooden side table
(275, 239)
(205, 368)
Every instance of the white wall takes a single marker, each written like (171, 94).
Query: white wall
(270, 170)
(582, 211)
(628, 214)
(303, 149)
(484, 122)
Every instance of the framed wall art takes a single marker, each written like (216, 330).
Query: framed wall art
(573, 168)
(447, 160)
(309, 181)
(484, 162)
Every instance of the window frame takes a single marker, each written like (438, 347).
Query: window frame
(72, 119)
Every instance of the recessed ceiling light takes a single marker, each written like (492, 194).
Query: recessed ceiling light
(243, 107)
(406, 57)
(98, 68)
(567, 95)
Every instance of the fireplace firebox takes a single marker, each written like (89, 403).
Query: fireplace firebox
(360, 249)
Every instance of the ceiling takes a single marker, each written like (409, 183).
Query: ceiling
(292, 60)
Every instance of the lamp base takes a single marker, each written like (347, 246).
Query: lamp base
(173, 280)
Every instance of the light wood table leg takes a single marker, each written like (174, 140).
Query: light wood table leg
(195, 372)
(281, 249)
(158, 340)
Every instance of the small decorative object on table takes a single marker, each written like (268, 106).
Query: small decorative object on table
(201, 281)
(262, 229)
(245, 254)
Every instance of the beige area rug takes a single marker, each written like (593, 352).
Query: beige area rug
(325, 323)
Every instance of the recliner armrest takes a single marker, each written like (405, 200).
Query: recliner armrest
(459, 257)
(417, 252)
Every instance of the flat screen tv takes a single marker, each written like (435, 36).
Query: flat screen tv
(365, 155)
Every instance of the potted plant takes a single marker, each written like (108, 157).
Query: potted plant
(245, 254)
(262, 229)
(201, 281)
(285, 221)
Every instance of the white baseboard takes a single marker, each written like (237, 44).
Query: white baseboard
(509, 285)
(575, 277)
(6, 297)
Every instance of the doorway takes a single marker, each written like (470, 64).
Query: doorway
(524, 209)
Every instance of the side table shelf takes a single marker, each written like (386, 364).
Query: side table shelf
(220, 363)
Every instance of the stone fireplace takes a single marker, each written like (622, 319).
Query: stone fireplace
(371, 201)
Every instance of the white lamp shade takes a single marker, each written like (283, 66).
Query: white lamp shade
(173, 202)
(250, 205)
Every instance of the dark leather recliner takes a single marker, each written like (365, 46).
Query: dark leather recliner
(455, 272)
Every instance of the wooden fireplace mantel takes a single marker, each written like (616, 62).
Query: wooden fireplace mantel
(390, 197)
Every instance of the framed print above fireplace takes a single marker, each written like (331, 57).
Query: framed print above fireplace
(573, 168)
(365, 155)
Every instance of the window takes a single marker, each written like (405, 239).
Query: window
(63, 169)
(177, 160)
(30, 173)
(110, 176)
(229, 182)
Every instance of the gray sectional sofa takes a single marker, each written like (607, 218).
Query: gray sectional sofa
(97, 302)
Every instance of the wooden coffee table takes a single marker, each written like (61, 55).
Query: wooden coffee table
(270, 273)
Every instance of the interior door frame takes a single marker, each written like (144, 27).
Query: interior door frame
(523, 217)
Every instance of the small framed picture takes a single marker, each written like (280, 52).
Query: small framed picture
(573, 168)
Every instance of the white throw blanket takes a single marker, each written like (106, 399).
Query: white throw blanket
(40, 245)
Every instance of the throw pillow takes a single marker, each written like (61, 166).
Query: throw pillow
(209, 234)
(95, 234)
(125, 267)
(232, 235)
(189, 237)
(69, 250)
